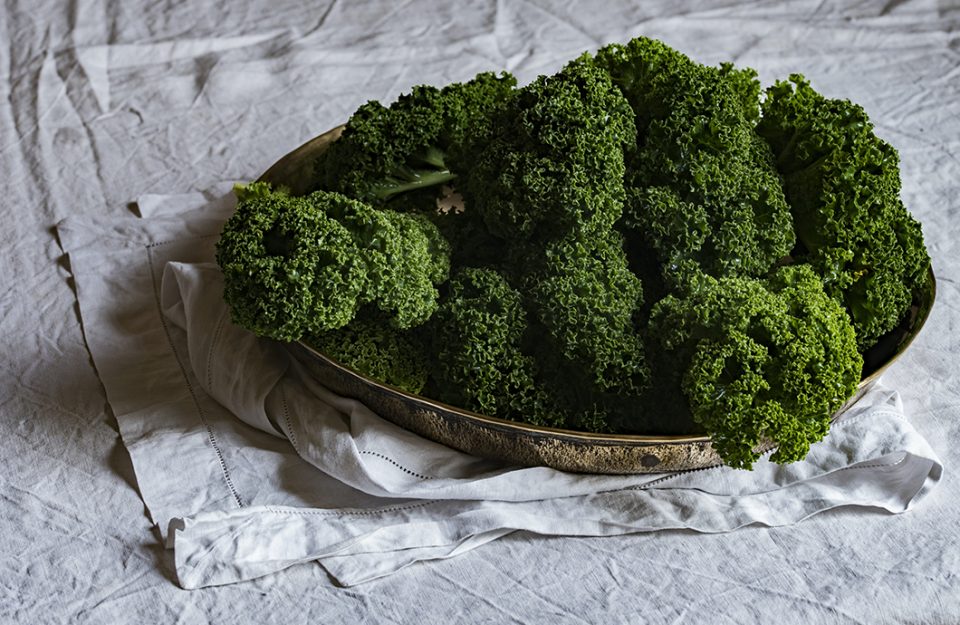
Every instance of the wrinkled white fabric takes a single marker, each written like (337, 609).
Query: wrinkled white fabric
(105, 102)
(398, 498)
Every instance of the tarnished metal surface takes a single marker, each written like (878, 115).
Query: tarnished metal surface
(523, 444)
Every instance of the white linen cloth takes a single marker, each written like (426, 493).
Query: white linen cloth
(106, 101)
(251, 467)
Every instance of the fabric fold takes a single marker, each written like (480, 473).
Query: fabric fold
(224, 547)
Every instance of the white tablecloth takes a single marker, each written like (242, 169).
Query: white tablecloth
(105, 102)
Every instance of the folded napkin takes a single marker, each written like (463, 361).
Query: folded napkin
(251, 466)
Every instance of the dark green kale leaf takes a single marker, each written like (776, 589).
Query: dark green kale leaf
(843, 184)
(762, 360)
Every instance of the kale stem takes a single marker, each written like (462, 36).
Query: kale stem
(435, 157)
(417, 181)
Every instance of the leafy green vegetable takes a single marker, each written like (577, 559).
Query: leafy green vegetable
(377, 350)
(843, 183)
(702, 190)
(555, 159)
(296, 265)
(762, 359)
(384, 151)
(585, 296)
(643, 247)
(288, 267)
(405, 256)
(481, 364)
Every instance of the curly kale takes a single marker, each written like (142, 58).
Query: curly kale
(294, 265)
(471, 243)
(555, 159)
(587, 299)
(743, 81)
(404, 255)
(701, 185)
(641, 246)
(288, 267)
(378, 351)
(469, 112)
(843, 184)
(481, 364)
(385, 150)
(761, 360)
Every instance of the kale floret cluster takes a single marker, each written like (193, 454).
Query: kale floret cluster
(638, 243)
(843, 184)
(776, 357)
(288, 267)
(385, 151)
(702, 187)
(373, 346)
(298, 265)
(555, 161)
(481, 362)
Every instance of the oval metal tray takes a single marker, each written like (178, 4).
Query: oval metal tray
(530, 445)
